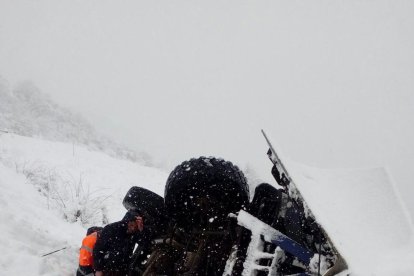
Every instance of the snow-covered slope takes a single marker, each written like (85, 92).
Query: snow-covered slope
(28, 230)
(51, 192)
(26, 111)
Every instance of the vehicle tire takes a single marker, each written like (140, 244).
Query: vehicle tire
(201, 192)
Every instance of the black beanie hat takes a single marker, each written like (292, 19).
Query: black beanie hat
(130, 216)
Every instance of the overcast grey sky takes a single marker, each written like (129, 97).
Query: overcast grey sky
(331, 81)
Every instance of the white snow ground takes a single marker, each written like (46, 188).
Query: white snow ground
(32, 215)
(40, 183)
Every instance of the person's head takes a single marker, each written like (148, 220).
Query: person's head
(134, 221)
(93, 229)
(135, 226)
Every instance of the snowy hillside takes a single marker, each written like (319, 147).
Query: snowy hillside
(26, 111)
(51, 193)
(58, 177)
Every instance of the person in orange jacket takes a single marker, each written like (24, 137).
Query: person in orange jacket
(85, 255)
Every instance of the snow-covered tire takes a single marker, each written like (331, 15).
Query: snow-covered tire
(201, 192)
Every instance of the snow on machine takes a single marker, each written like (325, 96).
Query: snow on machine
(206, 225)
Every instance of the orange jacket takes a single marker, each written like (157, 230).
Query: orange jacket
(85, 255)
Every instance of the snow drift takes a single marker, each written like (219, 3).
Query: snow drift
(29, 229)
(34, 220)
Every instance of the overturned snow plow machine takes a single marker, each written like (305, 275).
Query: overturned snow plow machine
(207, 225)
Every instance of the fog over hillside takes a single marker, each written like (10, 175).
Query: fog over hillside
(26, 111)
(331, 81)
(97, 96)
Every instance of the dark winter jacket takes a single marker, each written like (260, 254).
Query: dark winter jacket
(114, 247)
